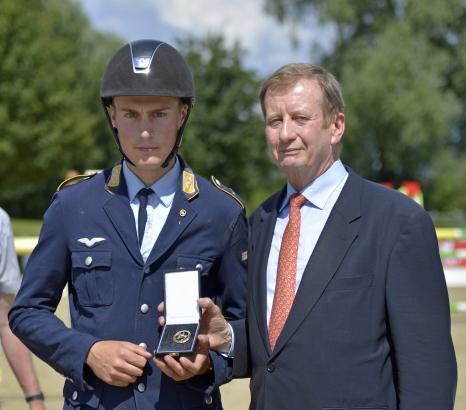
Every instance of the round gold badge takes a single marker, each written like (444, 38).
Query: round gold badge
(182, 336)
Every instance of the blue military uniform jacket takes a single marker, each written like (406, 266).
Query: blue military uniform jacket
(113, 294)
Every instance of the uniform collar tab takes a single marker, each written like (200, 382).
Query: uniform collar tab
(190, 186)
(113, 182)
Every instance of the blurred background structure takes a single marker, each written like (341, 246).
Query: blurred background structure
(401, 63)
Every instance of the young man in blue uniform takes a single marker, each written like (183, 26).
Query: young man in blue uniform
(110, 238)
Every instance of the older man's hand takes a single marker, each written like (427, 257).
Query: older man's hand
(213, 325)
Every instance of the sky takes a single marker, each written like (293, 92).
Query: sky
(267, 43)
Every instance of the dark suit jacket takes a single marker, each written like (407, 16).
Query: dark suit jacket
(108, 283)
(370, 325)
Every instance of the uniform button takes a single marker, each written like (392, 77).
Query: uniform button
(141, 387)
(144, 308)
(88, 261)
(208, 400)
(199, 266)
(147, 270)
(142, 344)
(271, 367)
(74, 396)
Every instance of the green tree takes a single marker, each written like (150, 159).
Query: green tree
(402, 66)
(225, 135)
(50, 117)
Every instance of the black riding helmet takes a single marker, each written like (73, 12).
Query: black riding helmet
(147, 67)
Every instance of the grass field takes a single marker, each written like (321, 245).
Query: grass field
(26, 227)
(235, 395)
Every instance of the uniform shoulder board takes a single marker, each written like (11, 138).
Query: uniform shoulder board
(74, 180)
(227, 190)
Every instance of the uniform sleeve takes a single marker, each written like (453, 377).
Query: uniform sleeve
(231, 296)
(419, 319)
(32, 317)
(232, 272)
(241, 363)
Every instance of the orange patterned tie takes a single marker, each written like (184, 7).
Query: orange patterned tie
(286, 272)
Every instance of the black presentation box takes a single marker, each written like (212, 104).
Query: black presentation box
(182, 315)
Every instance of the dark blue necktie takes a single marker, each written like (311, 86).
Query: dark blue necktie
(143, 194)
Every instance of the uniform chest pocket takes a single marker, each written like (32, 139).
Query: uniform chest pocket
(92, 277)
(204, 264)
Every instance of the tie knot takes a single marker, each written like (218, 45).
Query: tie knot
(145, 192)
(297, 200)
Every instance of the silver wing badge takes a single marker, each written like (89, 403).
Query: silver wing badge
(90, 242)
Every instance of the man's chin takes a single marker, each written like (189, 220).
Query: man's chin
(152, 163)
(289, 164)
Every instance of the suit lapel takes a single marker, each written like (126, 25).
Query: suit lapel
(260, 255)
(119, 212)
(339, 232)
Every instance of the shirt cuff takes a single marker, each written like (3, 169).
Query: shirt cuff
(231, 353)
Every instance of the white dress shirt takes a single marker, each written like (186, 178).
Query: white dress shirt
(158, 204)
(321, 195)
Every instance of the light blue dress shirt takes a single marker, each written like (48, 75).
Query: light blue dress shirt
(158, 205)
(321, 195)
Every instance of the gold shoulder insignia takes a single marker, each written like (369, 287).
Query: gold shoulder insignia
(74, 180)
(227, 190)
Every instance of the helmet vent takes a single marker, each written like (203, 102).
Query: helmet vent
(142, 53)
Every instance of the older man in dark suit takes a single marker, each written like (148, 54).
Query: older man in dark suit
(347, 302)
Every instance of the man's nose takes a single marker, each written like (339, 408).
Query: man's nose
(287, 132)
(146, 129)
(145, 133)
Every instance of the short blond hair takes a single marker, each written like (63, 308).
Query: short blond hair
(290, 74)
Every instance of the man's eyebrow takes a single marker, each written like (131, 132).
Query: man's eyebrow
(161, 108)
(152, 110)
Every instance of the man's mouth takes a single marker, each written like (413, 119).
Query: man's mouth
(288, 151)
(147, 149)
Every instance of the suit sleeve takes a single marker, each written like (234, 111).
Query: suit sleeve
(241, 354)
(419, 319)
(32, 317)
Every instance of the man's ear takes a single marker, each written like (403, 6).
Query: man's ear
(111, 112)
(338, 128)
(183, 113)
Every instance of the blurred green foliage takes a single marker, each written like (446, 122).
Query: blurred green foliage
(402, 66)
(50, 116)
(225, 135)
(51, 119)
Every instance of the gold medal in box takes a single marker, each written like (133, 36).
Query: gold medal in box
(182, 315)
